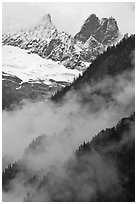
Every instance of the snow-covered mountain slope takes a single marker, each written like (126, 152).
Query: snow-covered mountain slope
(73, 51)
(40, 60)
(29, 76)
(33, 68)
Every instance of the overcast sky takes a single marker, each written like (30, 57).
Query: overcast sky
(67, 16)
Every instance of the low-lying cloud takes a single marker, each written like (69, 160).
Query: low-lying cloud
(66, 127)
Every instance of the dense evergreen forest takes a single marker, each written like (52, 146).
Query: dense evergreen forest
(111, 150)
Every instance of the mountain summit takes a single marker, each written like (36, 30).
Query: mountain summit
(74, 52)
(104, 30)
(89, 28)
(46, 21)
(46, 18)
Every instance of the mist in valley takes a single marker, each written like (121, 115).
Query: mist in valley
(65, 127)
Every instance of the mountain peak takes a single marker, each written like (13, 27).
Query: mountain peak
(46, 18)
(102, 30)
(46, 22)
(92, 16)
(113, 22)
(89, 27)
(92, 19)
(110, 20)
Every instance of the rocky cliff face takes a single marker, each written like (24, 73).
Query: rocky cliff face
(89, 28)
(107, 32)
(74, 52)
(104, 31)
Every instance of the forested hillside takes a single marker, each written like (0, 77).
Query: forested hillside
(102, 170)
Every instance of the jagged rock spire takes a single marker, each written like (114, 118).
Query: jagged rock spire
(46, 21)
(88, 28)
(46, 18)
(103, 30)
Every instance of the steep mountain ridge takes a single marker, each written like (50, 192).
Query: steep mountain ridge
(104, 30)
(46, 41)
(115, 61)
(74, 52)
(89, 27)
(107, 32)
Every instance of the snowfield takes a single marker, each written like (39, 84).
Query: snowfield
(31, 67)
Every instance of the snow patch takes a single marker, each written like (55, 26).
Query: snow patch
(18, 62)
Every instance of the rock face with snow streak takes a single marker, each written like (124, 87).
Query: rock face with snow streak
(31, 67)
(89, 27)
(28, 76)
(74, 52)
(103, 31)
